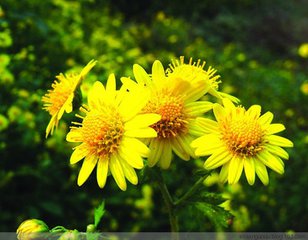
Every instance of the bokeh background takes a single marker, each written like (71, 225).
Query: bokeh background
(258, 48)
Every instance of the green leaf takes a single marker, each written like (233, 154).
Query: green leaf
(99, 213)
(217, 215)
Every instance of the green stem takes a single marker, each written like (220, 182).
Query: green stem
(191, 191)
(169, 204)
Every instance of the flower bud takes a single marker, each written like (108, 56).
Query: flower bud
(31, 229)
(69, 235)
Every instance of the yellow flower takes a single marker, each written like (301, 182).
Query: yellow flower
(60, 97)
(108, 134)
(30, 228)
(241, 139)
(194, 73)
(175, 99)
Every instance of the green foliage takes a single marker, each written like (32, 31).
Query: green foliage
(252, 44)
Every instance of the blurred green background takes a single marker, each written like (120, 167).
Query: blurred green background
(258, 48)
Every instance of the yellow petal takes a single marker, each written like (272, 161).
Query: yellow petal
(261, 172)
(51, 125)
(279, 141)
(117, 172)
(266, 118)
(270, 160)
(111, 88)
(86, 70)
(207, 124)
(218, 158)
(223, 175)
(74, 136)
(136, 145)
(142, 121)
(277, 151)
(254, 111)
(158, 72)
(208, 141)
(96, 95)
(131, 156)
(235, 169)
(228, 103)
(79, 153)
(155, 152)
(198, 108)
(219, 112)
(86, 169)
(141, 75)
(102, 171)
(129, 172)
(141, 133)
(275, 128)
(166, 158)
(179, 150)
(249, 167)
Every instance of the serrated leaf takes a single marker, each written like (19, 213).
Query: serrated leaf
(99, 213)
(217, 215)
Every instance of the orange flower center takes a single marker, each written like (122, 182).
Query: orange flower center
(102, 132)
(171, 108)
(243, 135)
(56, 98)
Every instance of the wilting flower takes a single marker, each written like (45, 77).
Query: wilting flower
(31, 229)
(108, 134)
(242, 139)
(174, 97)
(60, 97)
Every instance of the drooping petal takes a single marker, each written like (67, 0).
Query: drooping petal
(129, 172)
(166, 156)
(277, 151)
(270, 160)
(223, 175)
(102, 171)
(249, 167)
(179, 150)
(156, 152)
(86, 169)
(235, 169)
(261, 172)
(117, 172)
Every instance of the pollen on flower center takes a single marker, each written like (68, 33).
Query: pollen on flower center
(243, 136)
(173, 119)
(102, 133)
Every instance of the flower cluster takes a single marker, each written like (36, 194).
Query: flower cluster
(158, 115)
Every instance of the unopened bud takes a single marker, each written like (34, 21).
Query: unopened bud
(31, 229)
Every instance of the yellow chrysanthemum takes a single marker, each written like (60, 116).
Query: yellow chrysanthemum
(108, 135)
(194, 72)
(60, 97)
(175, 99)
(241, 139)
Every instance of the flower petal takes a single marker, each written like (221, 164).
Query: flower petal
(218, 158)
(207, 124)
(223, 175)
(206, 144)
(131, 156)
(198, 108)
(266, 118)
(261, 172)
(117, 172)
(155, 152)
(249, 167)
(179, 150)
(158, 72)
(277, 151)
(141, 75)
(235, 169)
(86, 169)
(219, 112)
(102, 171)
(141, 133)
(79, 153)
(136, 145)
(279, 141)
(270, 160)
(166, 157)
(275, 128)
(129, 172)
(254, 111)
(142, 121)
